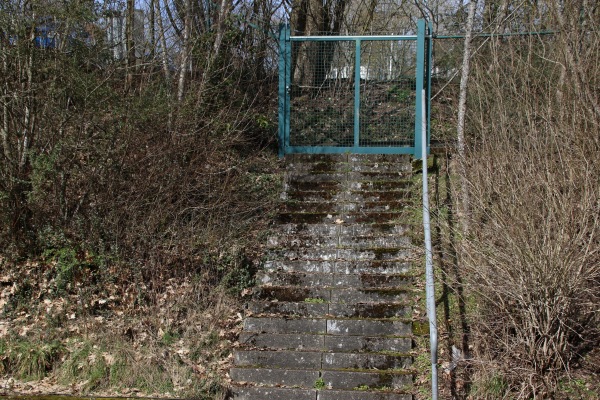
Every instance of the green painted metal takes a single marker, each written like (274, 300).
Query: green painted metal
(482, 34)
(420, 80)
(357, 93)
(353, 94)
(281, 107)
(428, 86)
(350, 37)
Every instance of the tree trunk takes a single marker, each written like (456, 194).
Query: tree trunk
(185, 51)
(462, 108)
(129, 40)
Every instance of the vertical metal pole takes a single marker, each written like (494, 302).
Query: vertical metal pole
(281, 109)
(429, 283)
(357, 94)
(420, 77)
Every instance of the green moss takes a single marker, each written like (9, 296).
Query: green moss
(314, 300)
(420, 328)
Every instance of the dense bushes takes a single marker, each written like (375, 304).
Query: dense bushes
(531, 258)
(101, 160)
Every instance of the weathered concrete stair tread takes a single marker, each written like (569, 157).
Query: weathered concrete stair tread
(338, 241)
(331, 317)
(324, 342)
(330, 326)
(271, 393)
(331, 228)
(346, 254)
(320, 360)
(364, 280)
(344, 295)
(329, 310)
(333, 379)
(341, 266)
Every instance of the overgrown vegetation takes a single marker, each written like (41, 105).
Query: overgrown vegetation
(132, 204)
(135, 190)
(523, 281)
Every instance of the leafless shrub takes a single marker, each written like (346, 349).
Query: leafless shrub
(532, 255)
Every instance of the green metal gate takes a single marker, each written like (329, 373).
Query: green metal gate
(353, 94)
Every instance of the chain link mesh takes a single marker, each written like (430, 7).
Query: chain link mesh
(322, 93)
(387, 93)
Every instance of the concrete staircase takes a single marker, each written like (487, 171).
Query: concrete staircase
(331, 316)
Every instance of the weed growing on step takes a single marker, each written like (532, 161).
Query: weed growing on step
(320, 384)
(314, 300)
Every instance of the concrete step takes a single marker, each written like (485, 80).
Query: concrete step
(361, 395)
(324, 342)
(330, 228)
(347, 174)
(398, 187)
(349, 380)
(273, 393)
(328, 342)
(373, 281)
(365, 327)
(347, 327)
(328, 310)
(355, 380)
(333, 265)
(320, 361)
(313, 241)
(287, 326)
(342, 217)
(276, 377)
(345, 254)
(340, 206)
(365, 361)
(343, 295)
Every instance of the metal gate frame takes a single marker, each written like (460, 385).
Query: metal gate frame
(424, 46)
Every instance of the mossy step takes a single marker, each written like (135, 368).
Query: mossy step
(343, 295)
(320, 360)
(345, 254)
(397, 159)
(346, 174)
(312, 308)
(343, 217)
(354, 186)
(276, 393)
(302, 378)
(276, 376)
(273, 393)
(334, 265)
(299, 241)
(339, 327)
(331, 228)
(324, 342)
(340, 205)
(351, 196)
(360, 395)
(359, 380)
(306, 279)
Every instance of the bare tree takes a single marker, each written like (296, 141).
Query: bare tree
(462, 107)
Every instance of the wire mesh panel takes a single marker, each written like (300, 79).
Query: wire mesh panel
(360, 94)
(322, 93)
(387, 93)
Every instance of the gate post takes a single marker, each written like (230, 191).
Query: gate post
(283, 92)
(419, 110)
